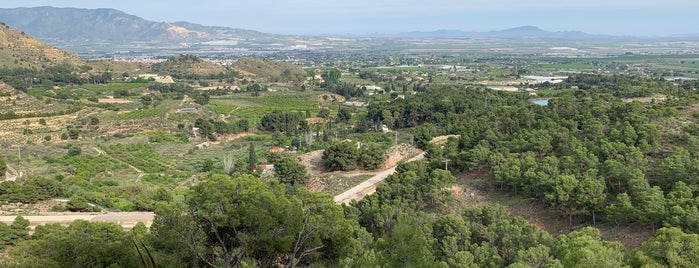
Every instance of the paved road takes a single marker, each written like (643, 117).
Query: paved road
(369, 186)
(130, 219)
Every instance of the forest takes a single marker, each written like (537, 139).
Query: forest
(589, 155)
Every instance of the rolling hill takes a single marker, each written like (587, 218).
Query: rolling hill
(268, 69)
(17, 49)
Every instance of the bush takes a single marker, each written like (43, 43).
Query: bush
(73, 133)
(59, 208)
(78, 203)
(372, 157)
(74, 150)
(341, 156)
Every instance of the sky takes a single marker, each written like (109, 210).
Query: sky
(615, 17)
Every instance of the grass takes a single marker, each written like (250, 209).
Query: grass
(252, 108)
(115, 86)
(180, 116)
(140, 155)
(87, 167)
(165, 137)
(143, 113)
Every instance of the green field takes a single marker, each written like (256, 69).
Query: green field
(253, 108)
(140, 155)
(115, 86)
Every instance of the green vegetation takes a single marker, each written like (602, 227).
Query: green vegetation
(3, 167)
(346, 156)
(115, 86)
(272, 71)
(141, 156)
(140, 114)
(615, 150)
(385, 229)
(190, 67)
(253, 108)
(164, 137)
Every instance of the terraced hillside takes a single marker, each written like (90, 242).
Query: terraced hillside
(20, 50)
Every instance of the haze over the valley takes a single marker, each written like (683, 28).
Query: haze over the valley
(638, 18)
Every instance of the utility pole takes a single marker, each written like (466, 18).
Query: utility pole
(446, 164)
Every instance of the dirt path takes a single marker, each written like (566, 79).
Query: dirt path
(184, 99)
(369, 186)
(102, 152)
(125, 219)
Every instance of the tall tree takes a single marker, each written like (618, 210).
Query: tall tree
(671, 248)
(3, 166)
(290, 171)
(585, 248)
(332, 76)
(341, 156)
(252, 156)
(250, 223)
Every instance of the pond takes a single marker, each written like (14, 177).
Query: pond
(541, 102)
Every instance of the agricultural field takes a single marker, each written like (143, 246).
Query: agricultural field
(252, 108)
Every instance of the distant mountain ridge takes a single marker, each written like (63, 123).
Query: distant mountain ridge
(518, 32)
(109, 25)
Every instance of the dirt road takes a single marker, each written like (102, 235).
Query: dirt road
(130, 219)
(125, 219)
(369, 186)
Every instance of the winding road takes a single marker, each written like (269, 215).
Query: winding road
(130, 219)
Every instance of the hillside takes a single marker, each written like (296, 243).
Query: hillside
(187, 66)
(268, 70)
(20, 50)
(64, 25)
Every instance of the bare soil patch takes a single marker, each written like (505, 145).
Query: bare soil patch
(114, 100)
(327, 98)
(229, 138)
(41, 207)
(656, 98)
(439, 139)
(322, 180)
(317, 120)
(472, 188)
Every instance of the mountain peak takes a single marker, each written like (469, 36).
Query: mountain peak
(526, 28)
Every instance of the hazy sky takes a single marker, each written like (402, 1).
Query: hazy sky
(619, 17)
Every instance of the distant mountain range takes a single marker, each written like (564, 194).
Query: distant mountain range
(111, 26)
(518, 32)
(114, 26)
(98, 32)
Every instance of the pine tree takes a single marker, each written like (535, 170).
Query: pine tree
(3, 166)
(252, 157)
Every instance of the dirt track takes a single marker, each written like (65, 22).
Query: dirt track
(125, 219)
(369, 186)
(130, 219)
